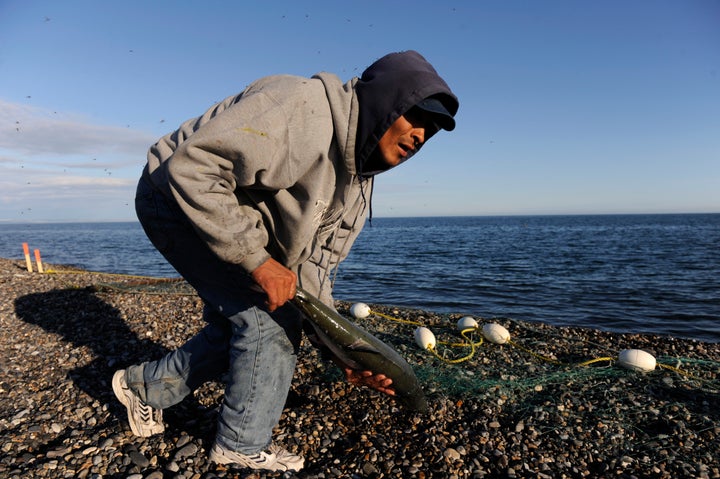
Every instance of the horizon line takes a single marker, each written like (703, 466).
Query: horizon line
(488, 215)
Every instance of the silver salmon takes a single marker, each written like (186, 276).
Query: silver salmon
(361, 350)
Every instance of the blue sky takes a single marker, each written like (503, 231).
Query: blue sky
(566, 107)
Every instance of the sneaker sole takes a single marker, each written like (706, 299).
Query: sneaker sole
(219, 458)
(119, 391)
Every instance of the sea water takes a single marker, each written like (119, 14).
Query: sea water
(625, 273)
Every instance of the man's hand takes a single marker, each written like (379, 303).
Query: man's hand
(379, 382)
(277, 281)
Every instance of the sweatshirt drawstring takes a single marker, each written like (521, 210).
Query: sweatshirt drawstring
(367, 204)
(332, 269)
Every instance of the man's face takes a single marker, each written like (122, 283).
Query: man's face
(405, 136)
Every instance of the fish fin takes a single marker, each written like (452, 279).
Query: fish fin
(362, 346)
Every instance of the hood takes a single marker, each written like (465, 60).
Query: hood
(389, 88)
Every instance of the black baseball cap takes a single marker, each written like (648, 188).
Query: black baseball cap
(443, 117)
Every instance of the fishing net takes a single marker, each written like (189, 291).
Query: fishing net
(537, 358)
(162, 286)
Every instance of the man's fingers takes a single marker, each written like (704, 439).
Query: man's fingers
(278, 282)
(279, 297)
(379, 382)
(389, 392)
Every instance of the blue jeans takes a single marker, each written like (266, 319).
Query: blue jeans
(256, 348)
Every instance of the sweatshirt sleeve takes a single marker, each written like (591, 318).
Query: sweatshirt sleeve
(243, 148)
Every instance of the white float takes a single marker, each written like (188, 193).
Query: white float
(467, 322)
(495, 333)
(424, 338)
(637, 360)
(360, 310)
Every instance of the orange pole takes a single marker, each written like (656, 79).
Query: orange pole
(26, 250)
(38, 261)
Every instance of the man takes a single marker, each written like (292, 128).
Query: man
(265, 191)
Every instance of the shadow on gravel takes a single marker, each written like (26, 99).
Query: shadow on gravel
(86, 321)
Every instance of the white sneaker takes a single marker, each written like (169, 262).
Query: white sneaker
(274, 459)
(144, 420)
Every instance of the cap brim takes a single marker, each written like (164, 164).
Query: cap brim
(442, 116)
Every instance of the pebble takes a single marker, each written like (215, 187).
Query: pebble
(139, 459)
(503, 413)
(452, 454)
(187, 451)
(184, 439)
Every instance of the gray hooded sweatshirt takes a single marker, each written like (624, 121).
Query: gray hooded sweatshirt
(277, 170)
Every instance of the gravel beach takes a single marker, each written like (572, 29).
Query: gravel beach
(532, 408)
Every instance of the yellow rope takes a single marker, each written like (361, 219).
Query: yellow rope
(147, 280)
(539, 356)
(404, 321)
(596, 360)
(473, 345)
(458, 360)
(121, 275)
(679, 371)
(469, 342)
